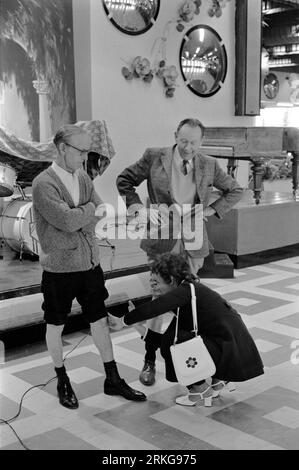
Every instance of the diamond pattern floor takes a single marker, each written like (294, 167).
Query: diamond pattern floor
(261, 414)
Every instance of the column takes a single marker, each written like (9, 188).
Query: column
(42, 89)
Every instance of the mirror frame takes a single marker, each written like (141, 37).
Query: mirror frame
(131, 33)
(224, 72)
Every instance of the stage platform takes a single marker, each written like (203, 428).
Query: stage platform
(255, 234)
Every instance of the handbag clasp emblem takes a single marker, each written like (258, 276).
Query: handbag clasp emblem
(191, 362)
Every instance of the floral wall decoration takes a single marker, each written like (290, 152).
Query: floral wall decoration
(141, 67)
(186, 12)
(216, 7)
(168, 74)
(189, 8)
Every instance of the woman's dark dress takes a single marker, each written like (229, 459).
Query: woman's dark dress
(221, 327)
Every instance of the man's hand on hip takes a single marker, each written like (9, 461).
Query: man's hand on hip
(207, 212)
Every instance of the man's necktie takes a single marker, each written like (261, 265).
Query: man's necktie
(185, 167)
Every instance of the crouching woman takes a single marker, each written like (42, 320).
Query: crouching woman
(222, 329)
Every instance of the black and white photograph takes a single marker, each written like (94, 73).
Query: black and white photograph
(149, 221)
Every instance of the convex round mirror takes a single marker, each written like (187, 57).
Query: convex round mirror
(132, 16)
(203, 60)
(271, 86)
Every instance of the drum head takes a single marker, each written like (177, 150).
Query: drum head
(17, 227)
(6, 190)
(7, 180)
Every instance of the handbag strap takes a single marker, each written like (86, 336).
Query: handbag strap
(194, 314)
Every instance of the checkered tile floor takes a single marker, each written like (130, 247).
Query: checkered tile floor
(261, 414)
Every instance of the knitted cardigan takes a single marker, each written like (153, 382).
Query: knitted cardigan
(66, 233)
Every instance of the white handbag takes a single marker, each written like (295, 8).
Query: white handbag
(191, 359)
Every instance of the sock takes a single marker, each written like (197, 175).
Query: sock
(61, 373)
(111, 371)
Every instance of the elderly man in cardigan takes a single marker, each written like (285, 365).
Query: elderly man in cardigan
(177, 175)
(64, 202)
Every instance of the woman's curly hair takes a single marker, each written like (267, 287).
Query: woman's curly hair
(169, 265)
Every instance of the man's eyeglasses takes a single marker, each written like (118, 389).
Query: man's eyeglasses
(82, 151)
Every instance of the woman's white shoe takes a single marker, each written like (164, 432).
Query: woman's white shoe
(218, 386)
(205, 396)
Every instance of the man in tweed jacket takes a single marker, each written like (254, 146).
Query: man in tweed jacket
(64, 202)
(177, 175)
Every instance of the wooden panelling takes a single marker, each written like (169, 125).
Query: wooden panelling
(248, 28)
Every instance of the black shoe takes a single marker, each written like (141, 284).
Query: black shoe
(147, 375)
(123, 389)
(66, 395)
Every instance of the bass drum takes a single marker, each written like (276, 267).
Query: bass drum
(17, 227)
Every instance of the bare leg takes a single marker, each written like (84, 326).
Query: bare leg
(54, 343)
(101, 337)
